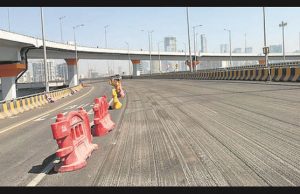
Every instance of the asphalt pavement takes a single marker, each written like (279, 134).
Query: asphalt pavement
(170, 133)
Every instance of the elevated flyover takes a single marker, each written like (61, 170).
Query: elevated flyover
(15, 49)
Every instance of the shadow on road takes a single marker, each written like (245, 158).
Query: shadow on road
(39, 168)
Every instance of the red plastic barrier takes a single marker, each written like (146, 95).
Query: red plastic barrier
(102, 119)
(74, 139)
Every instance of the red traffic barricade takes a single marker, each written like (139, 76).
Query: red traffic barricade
(102, 119)
(74, 139)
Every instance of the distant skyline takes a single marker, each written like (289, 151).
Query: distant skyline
(126, 23)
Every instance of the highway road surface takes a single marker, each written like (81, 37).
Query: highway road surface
(174, 133)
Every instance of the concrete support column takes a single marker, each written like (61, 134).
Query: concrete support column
(9, 90)
(194, 64)
(135, 63)
(72, 72)
(8, 74)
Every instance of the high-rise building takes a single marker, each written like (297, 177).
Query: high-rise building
(62, 71)
(224, 48)
(276, 48)
(145, 67)
(170, 44)
(155, 66)
(25, 78)
(203, 43)
(120, 70)
(140, 68)
(39, 71)
(94, 74)
(248, 50)
(237, 50)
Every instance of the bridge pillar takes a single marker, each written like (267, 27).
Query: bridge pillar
(8, 74)
(194, 64)
(135, 63)
(72, 71)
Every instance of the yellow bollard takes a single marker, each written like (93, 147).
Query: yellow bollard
(116, 103)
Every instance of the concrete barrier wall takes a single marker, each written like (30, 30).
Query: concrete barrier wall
(22, 104)
(278, 74)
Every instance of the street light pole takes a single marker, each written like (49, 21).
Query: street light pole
(265, 49)
(229, 46)
(61, 33)
(245, 47)
(282, 24)
(189, 40)
(129, 69)
(194, 27)
(158, 49)
(105, 35)
(150, 47)
(8, 19)
(45, 55)
(76, 57)
(245, 43)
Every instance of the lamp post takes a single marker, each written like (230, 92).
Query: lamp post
(189, 39)
(150, 48)
(105, 35)
(129, 69)
(194, 27)
(45, 55)
(266, 49)
(229, 46)
(76, 58)
(282, 24)
(159, 55)
(183, 43)
(245, 47)
(299, 41)
(8, 19)
(61, 33)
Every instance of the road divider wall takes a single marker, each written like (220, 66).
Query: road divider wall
(283, 74)
(22, 104)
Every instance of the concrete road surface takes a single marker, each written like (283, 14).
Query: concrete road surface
(175, 133)
(26, 143)
(199, 133)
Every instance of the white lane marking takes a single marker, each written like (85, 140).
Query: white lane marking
(70, 107)
(40, 176)
(90, 112)
(42, 118)
(11, 117)
(26, 121)
(64, 113)
(85, 105)
(79, 106)
(110, 101)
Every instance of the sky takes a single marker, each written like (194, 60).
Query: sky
(126, 23)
